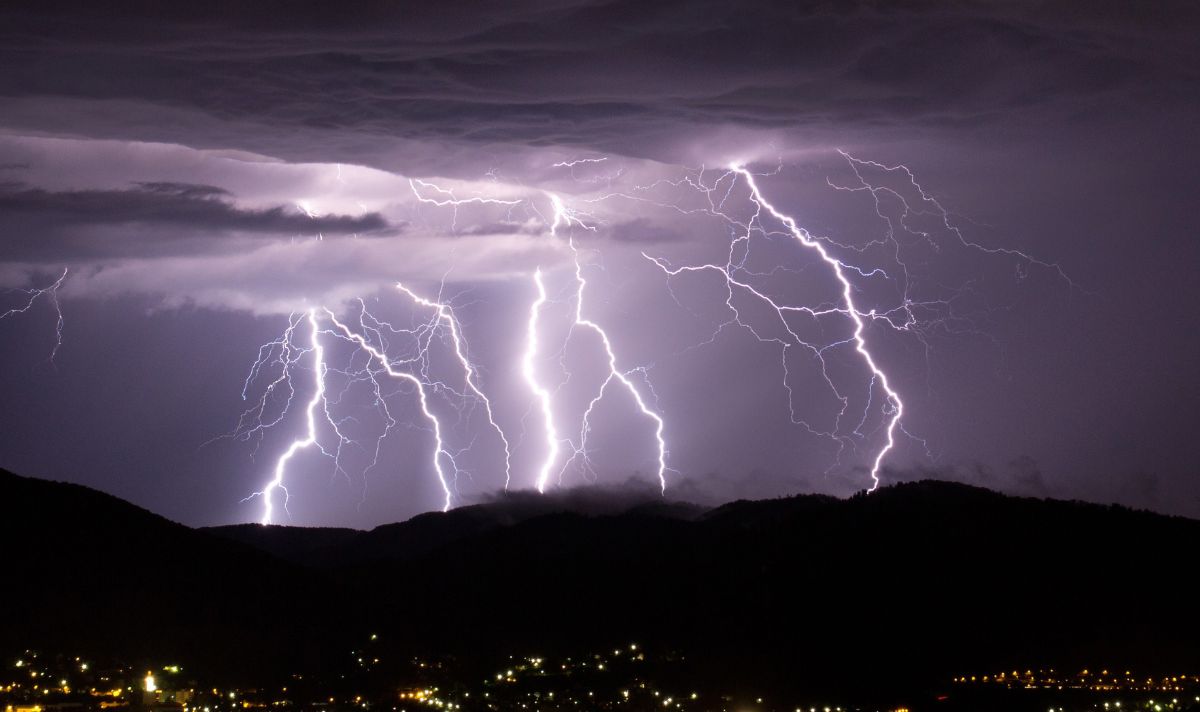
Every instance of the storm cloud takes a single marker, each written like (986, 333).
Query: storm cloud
(42, 224)
(408, 87)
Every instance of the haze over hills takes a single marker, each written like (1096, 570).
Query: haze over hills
(425, 533)
(906, 586)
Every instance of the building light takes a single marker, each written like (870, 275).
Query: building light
(150, 686)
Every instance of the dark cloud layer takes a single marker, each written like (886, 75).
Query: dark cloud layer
(42, 224)
(627, 77)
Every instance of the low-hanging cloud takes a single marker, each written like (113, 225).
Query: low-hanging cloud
(44, 224)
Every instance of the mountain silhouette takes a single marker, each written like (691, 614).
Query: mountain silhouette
(88, 572)
(425, 533)
(897, 589)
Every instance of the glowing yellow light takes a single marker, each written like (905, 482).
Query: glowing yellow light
(150, 686)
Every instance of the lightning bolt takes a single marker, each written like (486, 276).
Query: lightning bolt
(422, 399)
(918, 317)
(265, 412)
(564, 217)
(857, 165)
(448, 198)
(281, 354)
(893, 409)
(883, 403)
(413, 369)
(445, 313)
(310, 438)
(51, 293)
(284, 353)
(540, 392)
(739, 249)
(578, 161)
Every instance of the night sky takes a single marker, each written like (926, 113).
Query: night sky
(207, 173)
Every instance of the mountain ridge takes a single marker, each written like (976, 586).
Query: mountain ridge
(913, 581)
